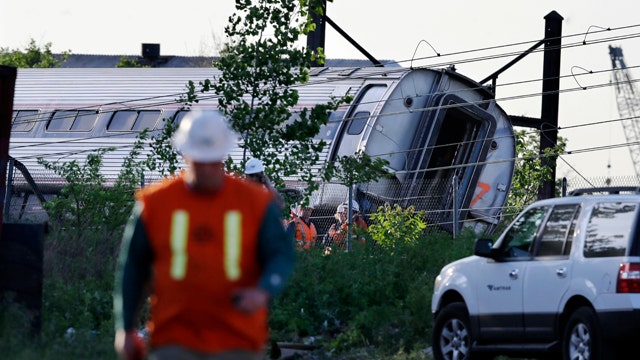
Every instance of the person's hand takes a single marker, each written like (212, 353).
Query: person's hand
(129, 345)
(250, 300)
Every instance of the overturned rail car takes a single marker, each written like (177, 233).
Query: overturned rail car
(449, 145)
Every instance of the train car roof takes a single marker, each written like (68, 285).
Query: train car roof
(110, 61)
(100, 86)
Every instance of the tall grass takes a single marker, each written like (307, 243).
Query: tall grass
(377, 299)
(372, 302)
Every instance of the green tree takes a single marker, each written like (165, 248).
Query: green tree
(33, 56)
(260, 66)
(356, 169)
(162, 157)
(529, 172)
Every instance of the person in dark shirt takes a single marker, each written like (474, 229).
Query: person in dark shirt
(209, 249)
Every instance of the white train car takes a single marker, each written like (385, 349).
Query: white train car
(449, 145)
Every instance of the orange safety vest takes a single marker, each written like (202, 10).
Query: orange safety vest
(205, 247)
(338, 235)
(305, 235)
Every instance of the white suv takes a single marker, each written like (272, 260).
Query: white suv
(562, 281)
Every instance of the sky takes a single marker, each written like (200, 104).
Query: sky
(401, 30)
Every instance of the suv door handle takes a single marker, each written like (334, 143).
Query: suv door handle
(561, 272)
(513, 274)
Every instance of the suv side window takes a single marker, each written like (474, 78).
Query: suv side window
(557, 236)
(518, 240)
(609, 229)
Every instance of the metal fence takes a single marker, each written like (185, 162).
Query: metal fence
(603, 181)
(27, 191)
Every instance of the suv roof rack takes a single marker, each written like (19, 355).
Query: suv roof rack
(606, 190)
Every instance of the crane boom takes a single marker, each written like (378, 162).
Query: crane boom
(628, 104)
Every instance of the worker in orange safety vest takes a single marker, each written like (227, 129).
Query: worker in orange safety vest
(338, 231)
(301, 226)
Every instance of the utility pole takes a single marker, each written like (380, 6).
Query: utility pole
(316, 38)
(548, 122)
(7, 88)
(550, 98)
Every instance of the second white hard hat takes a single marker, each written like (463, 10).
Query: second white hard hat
(344, 206)
(355, 206)
(203, 137)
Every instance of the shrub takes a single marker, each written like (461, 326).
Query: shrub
(392, 225)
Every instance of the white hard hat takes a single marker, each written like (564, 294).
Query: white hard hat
(296, 209)
(253, 166)
(203, 137)
(354, 206)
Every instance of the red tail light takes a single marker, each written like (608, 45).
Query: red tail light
(629, 278)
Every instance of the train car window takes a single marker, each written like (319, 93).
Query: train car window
(328, 131)
(23, 120)
(295, 116)
(146, 120)
(61, 120)
(182, 113)
(85, 120)
(177, 118)
(122, 120)
(358, 122)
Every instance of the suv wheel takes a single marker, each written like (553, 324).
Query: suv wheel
(582, 340)
(452, 334)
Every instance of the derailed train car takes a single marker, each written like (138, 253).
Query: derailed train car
(449, 145)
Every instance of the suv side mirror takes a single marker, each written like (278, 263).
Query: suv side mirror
(483, 248)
